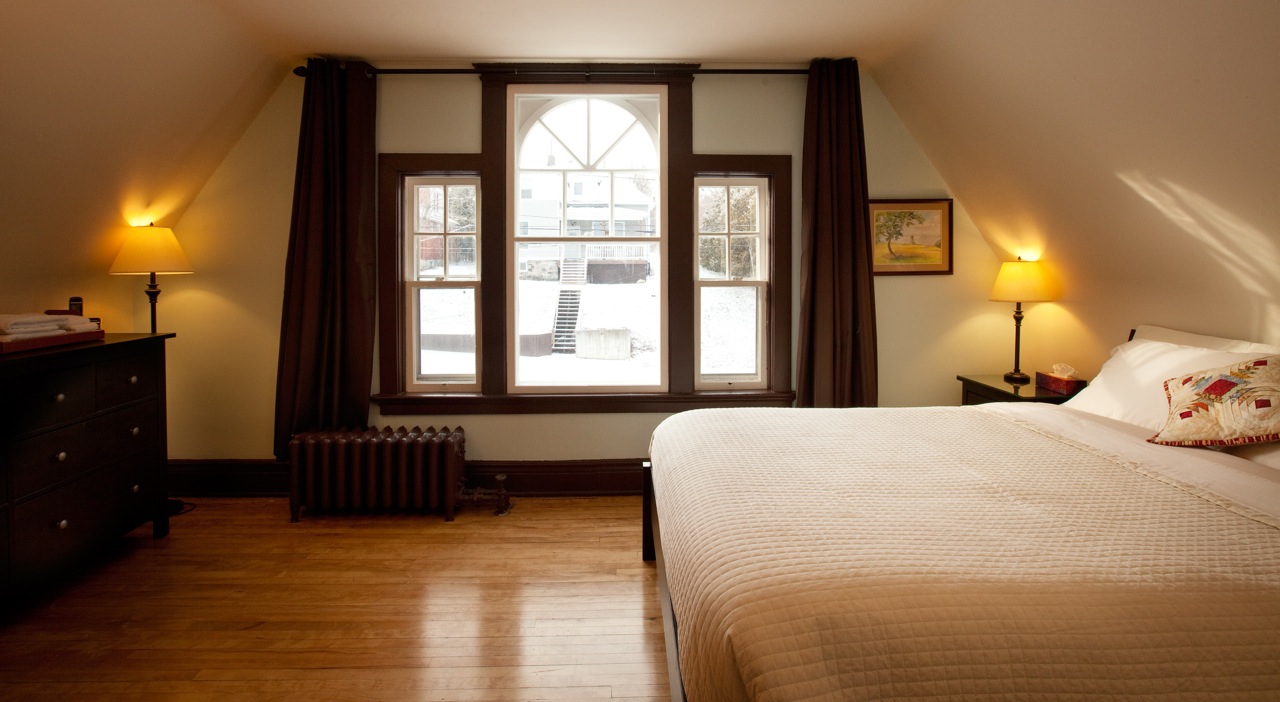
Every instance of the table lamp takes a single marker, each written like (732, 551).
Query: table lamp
(1018, 282)
(151, 250)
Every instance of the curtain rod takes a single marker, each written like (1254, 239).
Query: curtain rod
(302, 71)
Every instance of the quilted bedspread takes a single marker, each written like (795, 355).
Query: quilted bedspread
(952, 553)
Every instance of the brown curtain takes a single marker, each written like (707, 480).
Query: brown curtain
(836, 364)
(327, 324)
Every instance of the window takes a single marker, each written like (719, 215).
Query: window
(580, 172)
(587, 290)
(732, 282)
(442, 281)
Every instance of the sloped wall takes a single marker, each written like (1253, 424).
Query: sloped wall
(223, 362)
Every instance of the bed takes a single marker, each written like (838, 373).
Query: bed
(1000, 551)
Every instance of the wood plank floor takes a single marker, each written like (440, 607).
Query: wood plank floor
(551, 602)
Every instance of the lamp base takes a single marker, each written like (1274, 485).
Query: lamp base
(1017, 378)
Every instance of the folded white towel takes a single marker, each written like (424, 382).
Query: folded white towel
(87, 326)
(31, 335)
(35, 322)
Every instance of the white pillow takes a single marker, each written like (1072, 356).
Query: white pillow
(1264, 454)
(1217, 343)
(1130, 385)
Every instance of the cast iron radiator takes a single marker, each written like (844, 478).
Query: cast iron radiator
(383, 470)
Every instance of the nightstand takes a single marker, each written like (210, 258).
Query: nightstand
(977, 389)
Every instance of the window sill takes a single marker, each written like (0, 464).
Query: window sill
(462, 403)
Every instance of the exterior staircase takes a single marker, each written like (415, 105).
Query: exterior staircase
(564, 332)
(573, 271)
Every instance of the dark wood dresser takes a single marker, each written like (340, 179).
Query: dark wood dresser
(82, 452)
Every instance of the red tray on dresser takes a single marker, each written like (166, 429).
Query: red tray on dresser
(40, 342)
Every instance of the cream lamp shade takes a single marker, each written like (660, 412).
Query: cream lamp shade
(150, 249)
(1018, 282)
(147, 251)
(1021, 281)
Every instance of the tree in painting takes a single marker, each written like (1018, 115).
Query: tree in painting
(891, 224)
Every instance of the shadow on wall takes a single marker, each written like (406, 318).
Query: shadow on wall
(1247, 254)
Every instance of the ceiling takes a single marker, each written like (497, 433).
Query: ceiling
(718, 31)
(1075, 126)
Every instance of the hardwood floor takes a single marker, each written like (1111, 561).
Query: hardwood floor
(550, 602)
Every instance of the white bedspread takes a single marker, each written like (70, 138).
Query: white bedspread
(991, 552)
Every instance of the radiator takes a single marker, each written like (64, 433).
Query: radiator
(383, 470)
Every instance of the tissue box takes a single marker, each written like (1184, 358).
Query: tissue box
(1060, 384)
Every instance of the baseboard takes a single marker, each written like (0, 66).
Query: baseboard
(228, 478)
(621, 476)
(270, 478)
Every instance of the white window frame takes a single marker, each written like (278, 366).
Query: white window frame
(416, 379)
(514, 239)
(760, 284)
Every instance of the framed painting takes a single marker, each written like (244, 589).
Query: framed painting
(912, 237)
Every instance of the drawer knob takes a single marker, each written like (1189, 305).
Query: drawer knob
(62, 456)
(135, 431)
(133, 380)
(62, 524)
(136, 489)
(60, 397)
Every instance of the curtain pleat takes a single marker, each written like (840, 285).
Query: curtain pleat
(327, 323)
(836, 356)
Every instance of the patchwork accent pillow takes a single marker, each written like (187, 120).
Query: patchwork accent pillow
(1228, 406)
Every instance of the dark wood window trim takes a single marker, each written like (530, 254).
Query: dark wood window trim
(490, 165)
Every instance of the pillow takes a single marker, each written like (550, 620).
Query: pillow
(1262, 454)
(1236, 404)
(1217, 343)
(1129, 387)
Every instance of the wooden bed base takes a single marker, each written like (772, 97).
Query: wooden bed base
(651, 549)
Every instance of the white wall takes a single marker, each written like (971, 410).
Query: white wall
(223, 362)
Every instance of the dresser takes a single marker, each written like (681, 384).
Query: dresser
(82, 452)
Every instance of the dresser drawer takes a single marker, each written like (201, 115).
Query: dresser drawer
(126, 379)
(60, 525)
(4, 550)
(139, 489)
(53, 457)
(40, 401)
(129, 430)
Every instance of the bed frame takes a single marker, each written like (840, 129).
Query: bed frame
(651, 549)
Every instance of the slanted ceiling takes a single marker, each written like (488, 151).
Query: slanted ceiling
(1092, 131)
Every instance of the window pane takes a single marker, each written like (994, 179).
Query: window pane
(635, 204)
(744, 257)
(634, 150)
(541, 150)
(712, 210)
(462, 208)
(568, 124)
(462, 256)
(607, 124)
(744, 208)
(587, 195)
(429, 252)
(541, 204)
(591, 317)
(447, 334)
(728, 330)
(430, 210)
(713, 257)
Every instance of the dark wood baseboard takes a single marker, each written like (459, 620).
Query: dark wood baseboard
(563, 478)
(270, 478)
(228, 478)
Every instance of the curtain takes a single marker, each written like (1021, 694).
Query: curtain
(327, 323)
(836, 363)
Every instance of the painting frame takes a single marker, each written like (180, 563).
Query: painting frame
(928, 223)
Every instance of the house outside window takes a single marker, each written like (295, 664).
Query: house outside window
(587, 291)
